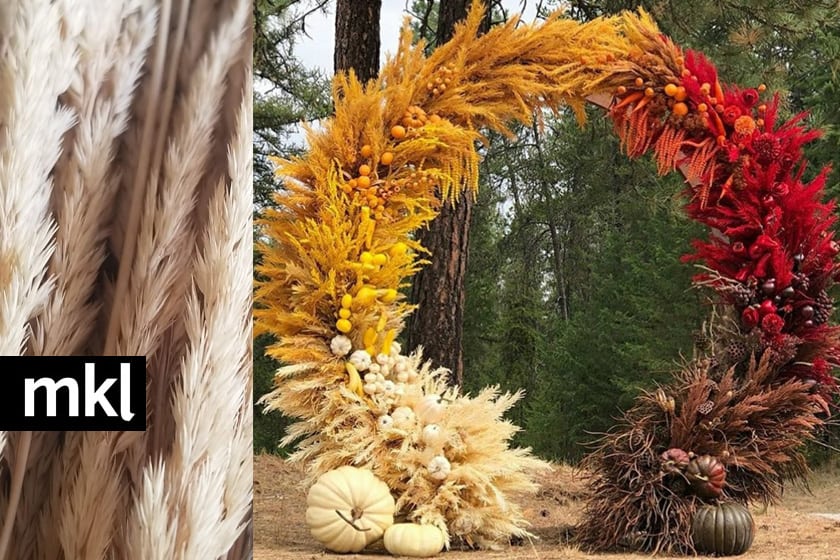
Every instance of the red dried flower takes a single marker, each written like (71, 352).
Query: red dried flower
(780, 190)
(750, 317)
(767, 307)
(731, 113)
(749, 97)
(772, 224)
(772, 324)
(820, 367)
(767, 148)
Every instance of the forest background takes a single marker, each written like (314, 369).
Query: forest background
(574, 287)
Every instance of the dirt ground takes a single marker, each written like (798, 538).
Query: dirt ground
(790, 531)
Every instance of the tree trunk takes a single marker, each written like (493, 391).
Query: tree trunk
(438, 289)
(357, 37)
(558, 245)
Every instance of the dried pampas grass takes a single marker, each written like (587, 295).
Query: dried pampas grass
(123, 231)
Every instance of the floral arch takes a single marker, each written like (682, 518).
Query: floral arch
(340, 246)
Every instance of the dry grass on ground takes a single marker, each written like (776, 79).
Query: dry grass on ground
(789, 531)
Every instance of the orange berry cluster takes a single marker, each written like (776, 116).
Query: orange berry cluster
(365, 187)
(441, 80)
(414, 117)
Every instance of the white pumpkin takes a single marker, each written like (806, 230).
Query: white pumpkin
(411, 539)
(385, 422)
(439, 467)
(348, 508)
(432, 435)
(360, 359)
(430, 409)
(403, 416)
(340, 346)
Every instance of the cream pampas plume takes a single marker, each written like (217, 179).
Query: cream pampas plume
(36, 68)
(203, 497)
(114, 213)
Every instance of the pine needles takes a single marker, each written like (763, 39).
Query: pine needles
(83, 177)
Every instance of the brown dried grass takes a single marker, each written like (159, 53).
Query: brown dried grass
(755, 425)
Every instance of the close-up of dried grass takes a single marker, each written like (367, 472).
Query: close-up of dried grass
(125, 229)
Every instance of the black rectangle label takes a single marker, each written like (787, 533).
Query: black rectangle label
(73, 393)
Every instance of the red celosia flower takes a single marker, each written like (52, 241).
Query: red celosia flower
(821, 371)
(699, 66)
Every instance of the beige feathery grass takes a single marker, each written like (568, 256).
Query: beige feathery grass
(110, 61)
(111, 43)
(35, 69)
(203, 497)
(113, 212)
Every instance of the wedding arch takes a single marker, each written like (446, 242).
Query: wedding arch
(340, 245)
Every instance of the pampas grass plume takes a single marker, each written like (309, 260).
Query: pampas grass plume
(120, 235)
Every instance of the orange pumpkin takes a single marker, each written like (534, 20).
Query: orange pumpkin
(707, 476)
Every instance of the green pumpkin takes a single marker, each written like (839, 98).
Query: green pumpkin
(725, 529)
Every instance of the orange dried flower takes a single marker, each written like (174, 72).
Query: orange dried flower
(745, 125)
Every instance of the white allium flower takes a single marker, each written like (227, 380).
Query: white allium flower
(395, 349)
(340, 345)
(360, 359)
(370, 378)
(370, 388)
(383, 359)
